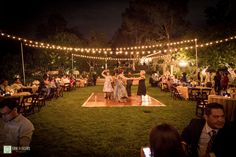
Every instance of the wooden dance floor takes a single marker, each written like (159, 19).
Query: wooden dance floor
(98, 100)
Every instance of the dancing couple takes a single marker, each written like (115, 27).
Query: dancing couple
(119, 92)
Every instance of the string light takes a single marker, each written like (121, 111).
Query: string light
(86, 56)
(82, 50)
(122, 50)
(105, 58)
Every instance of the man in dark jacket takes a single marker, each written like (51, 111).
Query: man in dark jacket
(129, 84)
(212, 136)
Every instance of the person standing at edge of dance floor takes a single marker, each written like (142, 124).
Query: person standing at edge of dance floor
(129, 84)
(141, 85)
(107, 88)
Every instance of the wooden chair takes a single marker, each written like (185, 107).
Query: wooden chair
(60, 91)
(27, 105)
(67, 87)
(52, 94)
(177, 94)
(42, 99)
(165, 87)
(194, 93)
(200, 106)
(36, 101)
(207, 91)
(172, 91)
(204, 96)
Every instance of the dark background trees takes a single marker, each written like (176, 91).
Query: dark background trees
(151, 20)
(220, 23)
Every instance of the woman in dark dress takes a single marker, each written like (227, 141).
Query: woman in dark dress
(141, 85)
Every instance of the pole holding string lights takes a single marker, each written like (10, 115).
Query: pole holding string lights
(72, 62)
(22, 60)
(196, 54)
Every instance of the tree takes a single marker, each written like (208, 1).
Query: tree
(97, 40)
(222, 16)
(62, 59)
(10, 59)
(219, 56)
(56, 23)
(56, 32)
(155, 20)
(221, 23)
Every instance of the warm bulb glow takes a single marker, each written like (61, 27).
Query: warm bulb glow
(183, 63)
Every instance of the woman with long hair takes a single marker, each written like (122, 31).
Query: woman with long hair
(165, 141)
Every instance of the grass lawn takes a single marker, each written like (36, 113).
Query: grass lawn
(64, 128)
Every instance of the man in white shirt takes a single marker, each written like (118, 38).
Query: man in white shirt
(16, 130)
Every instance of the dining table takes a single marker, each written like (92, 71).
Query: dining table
(19, 95)
(185, 90)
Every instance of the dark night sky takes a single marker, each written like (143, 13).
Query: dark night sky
(23, 16)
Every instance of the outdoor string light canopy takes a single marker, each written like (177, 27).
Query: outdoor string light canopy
(141, 51)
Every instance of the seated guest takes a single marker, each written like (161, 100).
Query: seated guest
(17, 85)
(15, 129)
(192, 82)
(35, 83)
(154, 79)
(52, 82)
(44, 85)
(169, 83)
(65, 79)
(211, 136)
(4, 87)
(165, 141)
(72, 81)
(184, 77)
(58, 81)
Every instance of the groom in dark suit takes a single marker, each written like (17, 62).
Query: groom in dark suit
(211, 136)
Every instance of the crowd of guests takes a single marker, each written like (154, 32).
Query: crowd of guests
(220, 81)
(5, 88)
(47, 84)
(166, 81)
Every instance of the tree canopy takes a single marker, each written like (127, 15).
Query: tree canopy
(154, 20)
